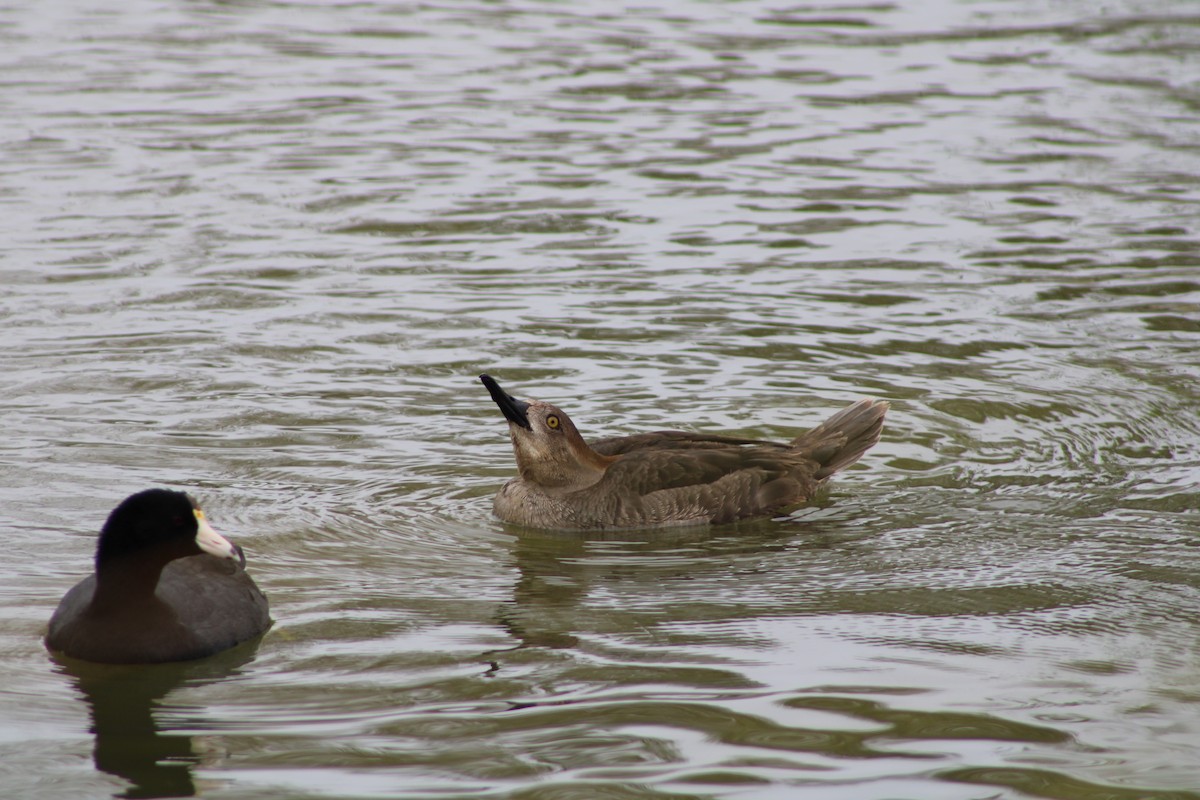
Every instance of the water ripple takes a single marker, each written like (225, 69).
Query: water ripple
(262, 251)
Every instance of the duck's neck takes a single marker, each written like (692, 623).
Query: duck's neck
(576, 479)
(563, 472)
(122, 580)
(595, 462)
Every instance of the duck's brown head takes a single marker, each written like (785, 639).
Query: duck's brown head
(550, 452)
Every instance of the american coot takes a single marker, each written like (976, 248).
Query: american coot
(668, 477)
(167, 587)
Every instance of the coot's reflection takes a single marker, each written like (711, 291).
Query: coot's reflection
(123, 701)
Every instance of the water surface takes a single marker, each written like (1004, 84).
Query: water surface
(261, 251)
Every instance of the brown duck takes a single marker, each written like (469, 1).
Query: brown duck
(666, 478)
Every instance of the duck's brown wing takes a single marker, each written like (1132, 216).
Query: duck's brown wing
(673, 440)
(703, 484)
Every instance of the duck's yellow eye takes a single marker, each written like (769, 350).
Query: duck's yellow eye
(552, 421)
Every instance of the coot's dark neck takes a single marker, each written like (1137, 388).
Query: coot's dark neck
(129, 578)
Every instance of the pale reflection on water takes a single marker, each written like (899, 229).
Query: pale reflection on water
(261, 251)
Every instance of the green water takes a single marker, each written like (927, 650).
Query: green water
(262, 251)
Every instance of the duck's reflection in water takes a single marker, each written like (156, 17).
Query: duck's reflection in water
(558, 571)
(123, 701)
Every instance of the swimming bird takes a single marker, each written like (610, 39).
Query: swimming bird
(167, 587)
(666, 478)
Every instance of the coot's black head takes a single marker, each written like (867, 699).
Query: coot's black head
(160, 523)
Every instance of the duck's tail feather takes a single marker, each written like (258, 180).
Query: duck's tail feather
(842, 439)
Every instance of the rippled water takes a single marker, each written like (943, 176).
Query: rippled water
(261, 251)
